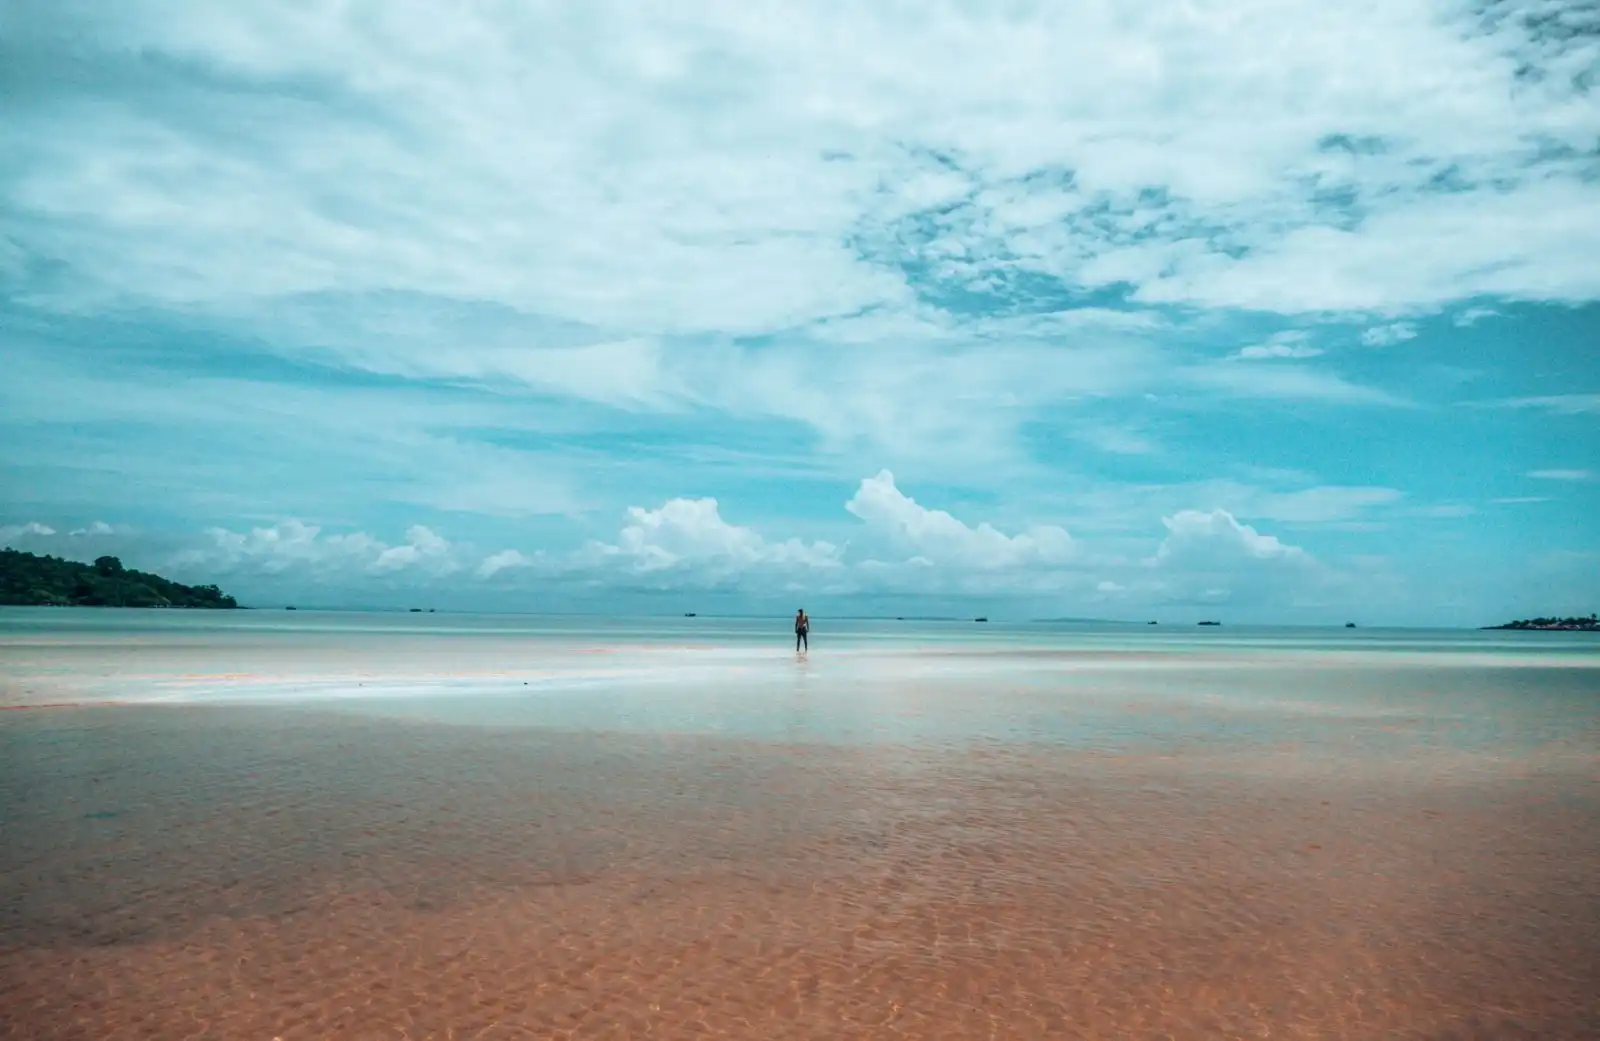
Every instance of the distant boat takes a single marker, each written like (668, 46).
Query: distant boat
(688, 614)
(416, 610)
(1349, 625)
(980, 619)
(1152, 623)
(291, 608)
(1208, 623)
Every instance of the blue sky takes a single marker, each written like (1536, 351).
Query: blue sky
(1263, 311)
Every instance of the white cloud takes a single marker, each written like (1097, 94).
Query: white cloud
(1217, 537)
(753, 167)
(690, 534)
(1562, 475)
(96, 529)
(941, 539)
(1473, 315)
(897, 546)
(1389, 335)
(1210, 557)
(365, 188)
(900, 546)
(1292, 343)
(423, 546)
(32, 529)
(1314, 505)
(505, 560)
(301, 548)
(1511, 499)
(1287, 383)
(1112, 510)
(1418, 250)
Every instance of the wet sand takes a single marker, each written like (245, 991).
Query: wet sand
(191, 871)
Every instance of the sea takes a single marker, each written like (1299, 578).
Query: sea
(285, 824)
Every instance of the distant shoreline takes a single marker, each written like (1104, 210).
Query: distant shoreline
(32, 580)
(1551, 625)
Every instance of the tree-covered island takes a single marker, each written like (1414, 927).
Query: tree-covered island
(28, 579)
(1567, 625)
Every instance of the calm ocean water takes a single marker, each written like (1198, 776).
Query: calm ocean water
(17, 624)
(1084, 684)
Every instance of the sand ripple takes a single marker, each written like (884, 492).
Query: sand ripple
(173, 873)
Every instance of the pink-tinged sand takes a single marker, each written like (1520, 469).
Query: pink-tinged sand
(186, 872)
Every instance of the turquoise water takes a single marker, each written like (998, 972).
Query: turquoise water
(18, 623)
(1129, 687)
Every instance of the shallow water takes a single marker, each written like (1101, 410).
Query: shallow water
(307, 826)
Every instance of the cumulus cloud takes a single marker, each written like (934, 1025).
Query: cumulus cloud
(940, 538)
(691, 535)
(32, 529)
(901, 545)
(94, 530)
(295, 546)
(1210, 557)
(1218, 536)
(422, 546)
(1389, 335)
(896, 546)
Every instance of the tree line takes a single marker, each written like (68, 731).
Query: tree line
(28, 579)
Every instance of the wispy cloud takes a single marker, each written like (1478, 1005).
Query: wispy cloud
(1562, 475)
(1444, 510)
(1289, 383)
(505, 560)
(1558, 404)
(1472, 316)
(1389, 335)
(1290, 344)
(96, 529)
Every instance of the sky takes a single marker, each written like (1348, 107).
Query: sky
(1257, 310)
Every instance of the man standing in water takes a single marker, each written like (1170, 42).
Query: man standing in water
(802, 630)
